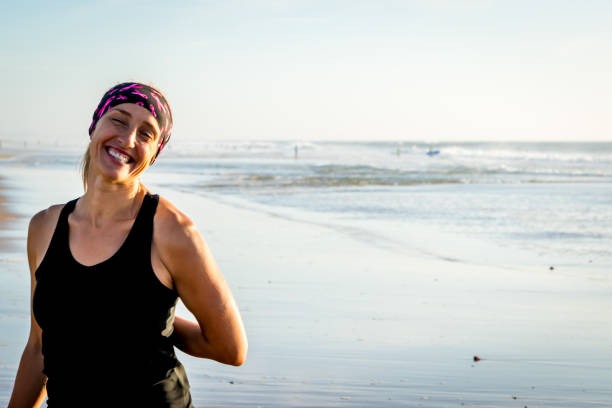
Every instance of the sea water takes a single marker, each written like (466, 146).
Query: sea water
(336, 338)
(549, 201)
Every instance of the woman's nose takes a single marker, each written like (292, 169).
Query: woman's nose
(128, 138)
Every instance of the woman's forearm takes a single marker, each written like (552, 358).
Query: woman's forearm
(29, 389)
(189, 338)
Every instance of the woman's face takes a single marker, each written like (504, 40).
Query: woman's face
(124, 142)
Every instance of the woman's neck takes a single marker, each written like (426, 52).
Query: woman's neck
(104, 202)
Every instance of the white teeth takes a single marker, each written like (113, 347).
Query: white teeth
(121, 157)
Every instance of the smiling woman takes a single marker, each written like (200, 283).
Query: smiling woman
(125, 139)
(107, 270)
(121, 99)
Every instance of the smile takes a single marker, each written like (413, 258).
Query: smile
(123, 158)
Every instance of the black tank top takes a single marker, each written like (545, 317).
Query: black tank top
(106, 328)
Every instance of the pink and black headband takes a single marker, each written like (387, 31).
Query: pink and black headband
(142, 95)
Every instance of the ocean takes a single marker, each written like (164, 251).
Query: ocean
(370, 273)
(551, 202)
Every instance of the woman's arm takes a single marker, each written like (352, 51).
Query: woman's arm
(29, 388)
(218, 333)
(189, 339)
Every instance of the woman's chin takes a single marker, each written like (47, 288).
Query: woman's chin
(114, 170)
(116, 175)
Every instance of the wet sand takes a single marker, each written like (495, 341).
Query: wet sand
(336, 319)
(12, 293)
(7, 217)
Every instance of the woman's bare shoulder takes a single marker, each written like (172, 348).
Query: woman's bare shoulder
(174, 232)
(40, 232)
(46, 219)
(170, 220)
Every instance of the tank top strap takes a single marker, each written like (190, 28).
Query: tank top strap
(60, 236)
(58, 246)
(141, 235)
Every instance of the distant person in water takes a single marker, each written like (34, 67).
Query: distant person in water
(107, 270)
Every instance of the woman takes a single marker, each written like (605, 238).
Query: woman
(107, 270)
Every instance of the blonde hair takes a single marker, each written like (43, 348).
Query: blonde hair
(85, 162)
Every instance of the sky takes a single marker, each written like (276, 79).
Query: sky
(438, 70)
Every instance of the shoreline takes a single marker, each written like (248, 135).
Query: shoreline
(7, 219)
(5, 214)
(335, 321)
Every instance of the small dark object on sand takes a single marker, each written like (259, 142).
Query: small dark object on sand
(476, 358)
(552, 268)
(513, 397)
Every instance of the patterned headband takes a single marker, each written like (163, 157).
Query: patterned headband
(142, 95)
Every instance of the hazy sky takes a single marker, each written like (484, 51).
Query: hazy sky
(310, 70)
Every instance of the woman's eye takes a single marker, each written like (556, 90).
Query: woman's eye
(146, 135)
(118, 121)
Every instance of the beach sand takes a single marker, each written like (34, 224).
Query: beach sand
(6, 217)
(338, 319)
